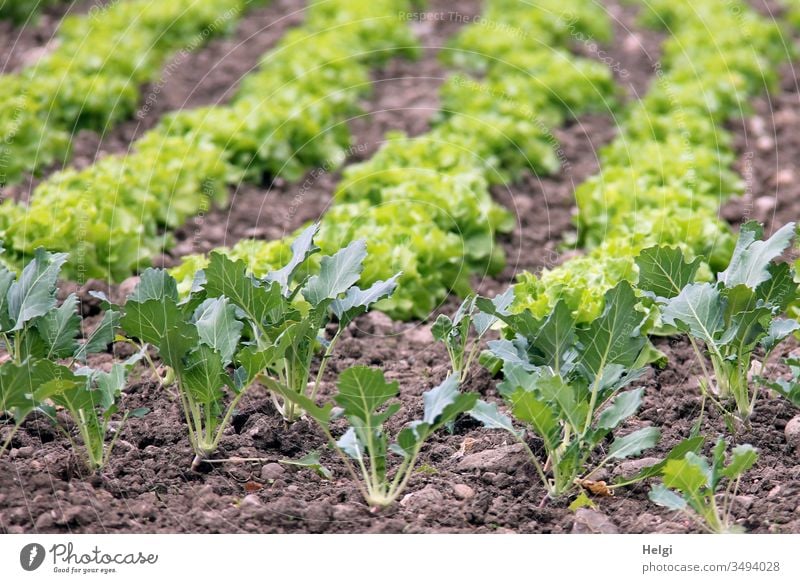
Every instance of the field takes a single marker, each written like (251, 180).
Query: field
(561, 238)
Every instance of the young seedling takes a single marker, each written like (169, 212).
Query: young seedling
(790, 390)
(455, 333)
(690, 485)
(364, 401)
(736, 317)
(564, 381)
(45, 356)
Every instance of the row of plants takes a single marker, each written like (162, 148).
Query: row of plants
(663, 179)
(286, 117)
(424, 202)
(25, 12)
(569, 386)
(94, 75)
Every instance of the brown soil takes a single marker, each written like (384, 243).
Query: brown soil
(472, 480)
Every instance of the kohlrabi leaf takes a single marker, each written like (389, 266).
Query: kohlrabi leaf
(302, 248)
(664, 272)
(780, 290)
(779, 330)
(483, 321)
(699, 310)
(24, 386)
(490, 416)
(33, 294)
(59, 328)
(692, 444)
(362, 390)
(357, 301)
(218, 327)
(538, 414)
(752, 256)
(564, 398)
(743, 457)
(337, 273)
(665, 497)
(204, 375)
(154, 284)
(634, 443)
(350, 444)
(686, 475)
(615, 337)
(101, 337)
(624, 405)
(7, 277)
(162, 324)
(228, 278)
(311, 461)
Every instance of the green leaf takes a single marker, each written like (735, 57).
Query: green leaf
(582, 501)
(662, 496)
(490, 416)
(357, 301)
(321, 415)
(24, 386)
(539, 415)
(6, 279)
(102, 336)
(693, 444)
(439, 398)
(634, 443)
(162, 324)
(59, 328)
(751, 257)
(686, 475)
(441, 328)
(154, 284)
(779, 330)
(350, 444)
(311, 461)
(33, 295)
(302, 248)
(780, 290)
(563, 397)
(663, 271)
(615, 337)
(362, 390)
(204, 375)
(698, 309)
(337, 273)
(483, 321)
(743, 457)
(218, 327)
(228, 278)
(555, 338)
(623, 406)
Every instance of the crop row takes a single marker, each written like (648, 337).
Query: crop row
(663, 179)
(423, 203)
(287, 116)
(25, 12)
(566, 383)
(93, 77)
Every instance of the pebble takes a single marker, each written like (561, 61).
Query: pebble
(428, 496)
(792, 432)
(588, 521)
(250, 500)
(744, 501)
(272, 471)
(500, 459)
(630, 468)
(463, 492)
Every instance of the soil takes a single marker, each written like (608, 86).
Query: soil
(470, 480)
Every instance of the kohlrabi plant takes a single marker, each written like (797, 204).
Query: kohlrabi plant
(734, 320)
(564, 381)
(456, 332)
(234, 329)
(365, 400)
(46, 355)
(705, 489)
(788, 389)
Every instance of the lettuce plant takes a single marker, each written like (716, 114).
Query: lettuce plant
(735, 318)
(564, 381)
(692, 485)
(363, 400)
(44, 366)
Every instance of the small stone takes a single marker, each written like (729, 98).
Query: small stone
(250, 500)
(21, 453)
(428, 496)
(463, 492)
(272, 471)
(792, 432)
(630, 468)
(318, 517)
(744, 501)
(44, 522)
(774, 492)
(75, 515)
(588, 521)
(500, 459)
